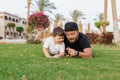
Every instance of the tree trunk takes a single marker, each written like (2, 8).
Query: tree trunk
(88, 27)
(55, 23)
(28, 11)
(80, 26)
(48, 33)
(116, 30)
(61, 25)
(20, 34)
(44, 33)
(105, 16)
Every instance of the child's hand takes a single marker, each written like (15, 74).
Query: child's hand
(56, 56)
(49, 57)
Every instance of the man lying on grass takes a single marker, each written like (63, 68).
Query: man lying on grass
(76, 44)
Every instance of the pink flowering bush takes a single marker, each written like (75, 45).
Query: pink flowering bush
(38, 20)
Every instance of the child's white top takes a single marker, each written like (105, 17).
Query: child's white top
(52, 47)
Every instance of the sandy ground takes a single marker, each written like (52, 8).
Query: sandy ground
(12, 41)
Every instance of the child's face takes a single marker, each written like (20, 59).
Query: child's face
(59, 39)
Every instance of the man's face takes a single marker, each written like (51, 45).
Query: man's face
(59, 39)
(72, 35)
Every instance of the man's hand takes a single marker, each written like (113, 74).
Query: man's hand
(72, 52)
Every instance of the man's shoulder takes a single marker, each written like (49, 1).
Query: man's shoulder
(82, 35)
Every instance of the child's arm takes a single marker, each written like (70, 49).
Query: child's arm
(59, 55)
(46, 53)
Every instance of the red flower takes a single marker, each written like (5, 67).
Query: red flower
(39, 20)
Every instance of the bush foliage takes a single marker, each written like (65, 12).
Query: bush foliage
(104, 38)
(39, 20)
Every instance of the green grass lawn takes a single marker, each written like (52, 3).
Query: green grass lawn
(17, 60)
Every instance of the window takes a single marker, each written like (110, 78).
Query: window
(10, 18)
(6, 18)
(17, 20)
(13, 20)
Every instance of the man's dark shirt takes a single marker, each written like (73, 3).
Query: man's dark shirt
(81, 43)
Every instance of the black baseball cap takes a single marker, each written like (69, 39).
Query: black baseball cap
(71, 26)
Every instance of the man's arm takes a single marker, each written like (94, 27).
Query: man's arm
(87, 52)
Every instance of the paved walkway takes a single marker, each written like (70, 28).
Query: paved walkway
(13, 41)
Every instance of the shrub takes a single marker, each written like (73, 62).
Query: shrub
(38, 20)
(104, 38)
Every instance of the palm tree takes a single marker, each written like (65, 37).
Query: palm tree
(101, 17)
(58, 18)
(76, 14)
(101, 23)
(11, 25)
(42, 6)
(116, 30)
(105, 16)
(28, 12)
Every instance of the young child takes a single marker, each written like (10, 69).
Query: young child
(53, 46)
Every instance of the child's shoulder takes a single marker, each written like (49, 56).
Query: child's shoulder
(49, 38)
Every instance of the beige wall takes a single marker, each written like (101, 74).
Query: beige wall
(1, 26)
(4, 22)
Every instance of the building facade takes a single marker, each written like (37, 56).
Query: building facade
(6, 31)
